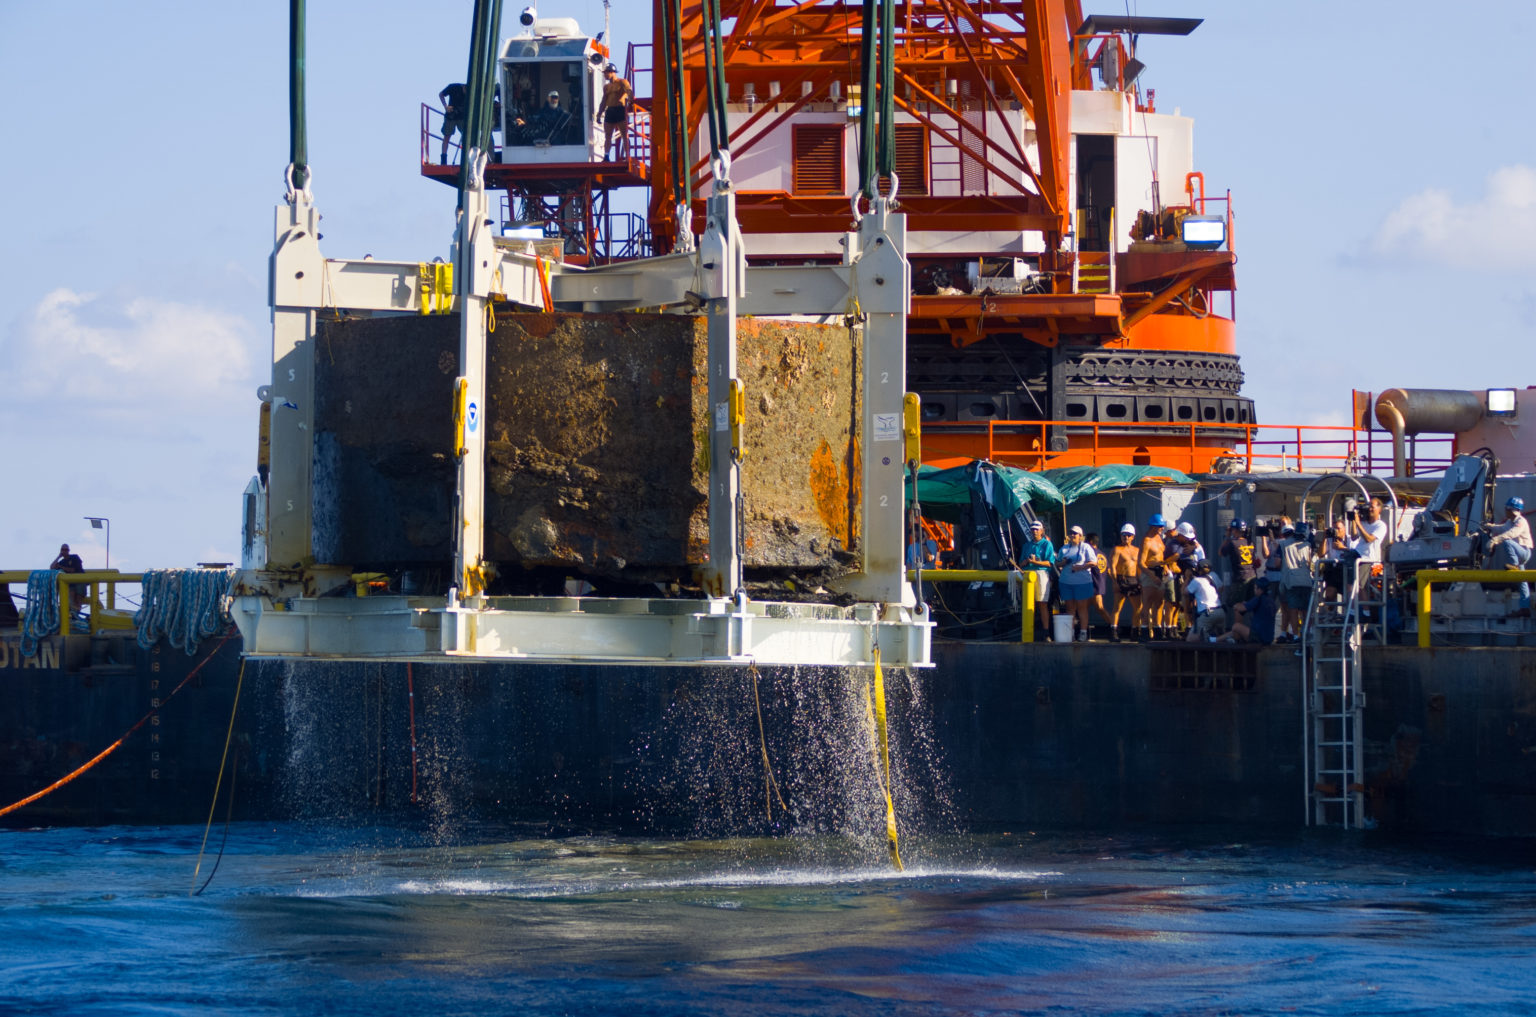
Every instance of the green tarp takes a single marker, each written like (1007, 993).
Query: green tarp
(1076, 482)
(944, 493)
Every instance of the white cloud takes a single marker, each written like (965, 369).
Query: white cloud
(137, 357)
(1495, 232)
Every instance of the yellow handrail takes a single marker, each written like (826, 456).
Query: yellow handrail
(98, 617)
(1428, 578)
(1027, 610)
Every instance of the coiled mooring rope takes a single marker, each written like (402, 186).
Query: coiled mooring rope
(42, 618)
(185, 606)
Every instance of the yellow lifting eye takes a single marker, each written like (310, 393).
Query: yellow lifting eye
(460, 400)
(738, 418)
(912, 426)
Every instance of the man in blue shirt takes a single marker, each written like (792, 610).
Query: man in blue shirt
(1255, 617)
(1039, 556)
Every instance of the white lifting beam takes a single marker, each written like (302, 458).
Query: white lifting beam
(280, 609)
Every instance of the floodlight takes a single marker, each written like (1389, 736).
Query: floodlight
(1500, 402)
(1206, 232)
(100, 523)
(528, 16)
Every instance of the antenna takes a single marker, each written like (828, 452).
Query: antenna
(608, 22)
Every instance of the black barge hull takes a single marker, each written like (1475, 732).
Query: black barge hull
(996, 736)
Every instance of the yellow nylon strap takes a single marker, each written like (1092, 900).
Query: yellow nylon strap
(882, 744)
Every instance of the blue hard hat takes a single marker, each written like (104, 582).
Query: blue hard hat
(1156, 520)
(1517, 503)
(1238, 524)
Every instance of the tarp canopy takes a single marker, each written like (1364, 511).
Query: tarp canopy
(944, 494)
(1076, 482)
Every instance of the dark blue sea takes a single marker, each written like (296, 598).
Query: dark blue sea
(302, 919)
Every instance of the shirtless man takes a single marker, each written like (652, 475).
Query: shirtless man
(1151, 563)
(1125, 569)
(613, 112)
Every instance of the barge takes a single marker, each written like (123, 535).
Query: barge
(590, 526)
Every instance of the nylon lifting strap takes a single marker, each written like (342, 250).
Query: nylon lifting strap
(874, 704)
(867, 38)
(887, 156)
(479, 84)
(714, 73)
(298, 133)
(677, 97)
(877, 121)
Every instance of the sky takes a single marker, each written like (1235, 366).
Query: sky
(1379, 154)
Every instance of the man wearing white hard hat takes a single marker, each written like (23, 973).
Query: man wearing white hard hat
(1125, 569)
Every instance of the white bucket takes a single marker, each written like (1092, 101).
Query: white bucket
(1061, 628)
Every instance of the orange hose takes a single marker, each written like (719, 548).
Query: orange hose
(104, 753)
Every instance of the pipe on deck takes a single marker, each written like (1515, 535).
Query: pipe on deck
(1405, 411)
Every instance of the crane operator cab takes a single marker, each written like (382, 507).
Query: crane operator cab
(551, 81)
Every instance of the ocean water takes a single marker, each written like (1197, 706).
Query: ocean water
(306, 919)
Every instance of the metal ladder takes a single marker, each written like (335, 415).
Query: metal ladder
(945, 169)
(1333, 700)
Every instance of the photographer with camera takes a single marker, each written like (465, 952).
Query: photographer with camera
(1295, 552)
(1268, 540)
(1243, 561)
(1367, 531)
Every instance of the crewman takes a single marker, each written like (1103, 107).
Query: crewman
(1511, 547)
(1242, 557)
(1040, 558)
(546, 123)
(1125, 567)
(68, 561)
(613, 112)
(1207, 618)
(453, 99)
(1154, 612)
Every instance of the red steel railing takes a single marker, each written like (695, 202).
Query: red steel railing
(1191, 448)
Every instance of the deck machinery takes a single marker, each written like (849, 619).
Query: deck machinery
(1020, 266)
(1067, 261)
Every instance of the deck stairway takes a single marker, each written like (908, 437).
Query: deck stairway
(1333, 699)
(1093, 274)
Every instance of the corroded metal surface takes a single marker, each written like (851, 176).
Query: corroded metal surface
(599, 434)
(597, 455)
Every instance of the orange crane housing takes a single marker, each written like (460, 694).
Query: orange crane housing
(1067, 263)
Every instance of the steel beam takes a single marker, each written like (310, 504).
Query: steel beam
(295, 280)
(882, 284)
(474, 269)
(590, 630)
(723, 263)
